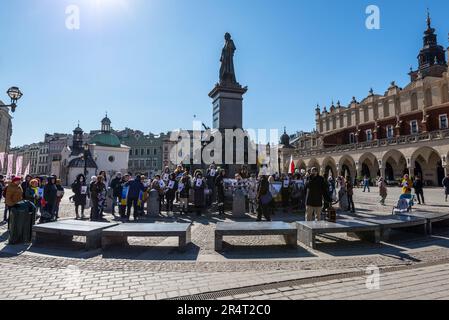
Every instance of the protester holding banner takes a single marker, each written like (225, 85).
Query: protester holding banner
(184, 190)
(285, 192)
(252, 193)
(199, 186)
(220, 189)
(50, 198)
(210, 179)
(170, 191)
(80, 190)
(124, 195)
(2, 186)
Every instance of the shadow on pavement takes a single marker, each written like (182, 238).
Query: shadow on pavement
(236, 252)
(136, 252)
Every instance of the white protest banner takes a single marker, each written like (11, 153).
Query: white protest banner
(10, 165)
(19, 162)
(27, 170)
(2, 160)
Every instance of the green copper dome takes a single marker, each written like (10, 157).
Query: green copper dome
(106, 139)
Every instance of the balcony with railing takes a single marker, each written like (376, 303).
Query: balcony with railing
(402, 140)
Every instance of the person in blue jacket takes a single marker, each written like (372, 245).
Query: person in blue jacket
(135, 188)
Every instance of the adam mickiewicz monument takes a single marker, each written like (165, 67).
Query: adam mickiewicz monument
(228, 93)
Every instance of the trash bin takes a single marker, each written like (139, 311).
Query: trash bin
(21, 221)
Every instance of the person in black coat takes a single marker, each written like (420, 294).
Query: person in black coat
(199, 184)
(316, 190)
(184, 193)
(26, 184)
(50, 196)
(419, 186)
(220, 189)
(79, 188)
(116, 186)
(170, 193)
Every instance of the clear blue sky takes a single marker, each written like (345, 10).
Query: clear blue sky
(152, 63)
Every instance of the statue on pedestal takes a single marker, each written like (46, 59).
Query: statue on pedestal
(227, 72)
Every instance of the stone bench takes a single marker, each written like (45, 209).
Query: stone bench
(286, 230)
(119, 235)
(388, 223)
(63, 231)
(307, 231)
(431, 218)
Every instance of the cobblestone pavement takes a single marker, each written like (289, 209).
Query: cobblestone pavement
(153, 269)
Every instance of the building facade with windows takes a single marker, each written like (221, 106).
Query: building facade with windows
(404, 130)
(145, 154)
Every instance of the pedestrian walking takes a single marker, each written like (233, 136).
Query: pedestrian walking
(419, 189)
(446, 186)
(350, 193)
(383, 190)
(366, 184)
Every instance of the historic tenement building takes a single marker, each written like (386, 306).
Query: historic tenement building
(145, 155)
(403, 130)
(5, 129)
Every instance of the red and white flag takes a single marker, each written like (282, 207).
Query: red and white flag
(292, 168)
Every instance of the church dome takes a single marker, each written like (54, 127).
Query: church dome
(106, 139)
(285, 138)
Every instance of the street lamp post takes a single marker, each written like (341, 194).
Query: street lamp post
(86, 155)
(14, 94)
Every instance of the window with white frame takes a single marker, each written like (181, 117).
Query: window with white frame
(390, 132)
(369, 135)
(414, 129)
(443, 121)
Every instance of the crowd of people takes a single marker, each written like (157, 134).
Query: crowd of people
(305, 191)
(45, 193)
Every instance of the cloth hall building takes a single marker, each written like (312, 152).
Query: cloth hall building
(405, 130)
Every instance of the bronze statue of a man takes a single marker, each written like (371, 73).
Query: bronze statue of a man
(227, 72)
